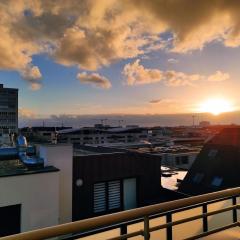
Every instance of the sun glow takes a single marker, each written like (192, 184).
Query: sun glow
(216, 106)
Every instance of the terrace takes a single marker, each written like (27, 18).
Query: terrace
(209, 216)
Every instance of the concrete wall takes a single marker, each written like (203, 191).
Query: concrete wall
(38, 195)
(61, 157)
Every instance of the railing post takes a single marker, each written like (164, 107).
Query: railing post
(205, 218)
(123, 229)
(169, 229)
(146, 228)
(234, 202)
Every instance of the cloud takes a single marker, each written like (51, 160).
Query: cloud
(26, 113)
(154, 101)
(137, 74)
(176, 79)
(94, 79)
(33, 75)
(172, 60)
(218, 77)
(194, 24)
(92, 34)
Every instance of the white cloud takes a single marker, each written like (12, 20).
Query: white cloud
(94, 79)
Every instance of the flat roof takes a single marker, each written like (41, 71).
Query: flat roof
(170, 177)
(9, 168)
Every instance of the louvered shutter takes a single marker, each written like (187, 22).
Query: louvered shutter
(114, 195)
(99, 197)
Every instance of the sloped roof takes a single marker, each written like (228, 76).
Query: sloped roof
(217, 166)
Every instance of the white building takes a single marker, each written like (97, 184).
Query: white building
(36, 197)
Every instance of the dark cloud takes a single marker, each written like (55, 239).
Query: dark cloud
(155, 101)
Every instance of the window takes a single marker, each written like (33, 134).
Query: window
(181, 160)
(46, 134)
(10, 220)
(184, 159)
(198, 177)
(177, 160)
(114, 195)
(217, 181)
(212, 153)
(99, 197)
(107, 196)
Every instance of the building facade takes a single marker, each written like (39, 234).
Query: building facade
(100, 136)
(8, 110)
(112, 182)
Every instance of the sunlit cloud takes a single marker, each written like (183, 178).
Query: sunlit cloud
(155, 101)
(137, 74)
(172, 60)
(94, 79)
(91, 34)
(219, 77)
(26, 113)
(33, 75)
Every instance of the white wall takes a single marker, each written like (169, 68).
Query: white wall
(38, 195)
(61, 157)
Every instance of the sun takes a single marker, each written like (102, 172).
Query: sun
(216, 106)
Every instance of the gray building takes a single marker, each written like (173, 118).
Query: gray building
(8, 110)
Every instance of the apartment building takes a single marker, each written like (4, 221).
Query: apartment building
(8, 110)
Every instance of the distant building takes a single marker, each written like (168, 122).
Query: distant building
(101, 136)
(8, 110)
(42, 134)
(177, 156)
(204, 124)
(217, 166)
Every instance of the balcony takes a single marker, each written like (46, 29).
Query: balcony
(209, 216)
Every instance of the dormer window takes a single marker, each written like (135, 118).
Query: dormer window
(217, 181)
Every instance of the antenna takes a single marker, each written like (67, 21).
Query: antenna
(120, 121)
(193, 120)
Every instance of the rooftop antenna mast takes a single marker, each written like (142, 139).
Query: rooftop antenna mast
(120, 121)
(193, 120)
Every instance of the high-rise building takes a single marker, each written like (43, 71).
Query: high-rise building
(8, 110)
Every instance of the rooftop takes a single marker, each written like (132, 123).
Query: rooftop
(15, 167)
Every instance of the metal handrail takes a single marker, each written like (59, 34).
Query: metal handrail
(125, 216)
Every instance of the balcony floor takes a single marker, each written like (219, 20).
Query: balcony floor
(230, 234)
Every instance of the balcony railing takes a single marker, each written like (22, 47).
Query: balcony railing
(121, 222)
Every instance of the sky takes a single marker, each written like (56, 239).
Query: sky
(120, 57)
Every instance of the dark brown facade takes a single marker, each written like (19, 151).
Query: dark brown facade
(109, 171)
